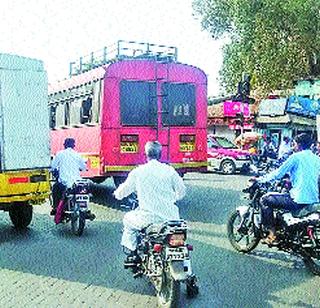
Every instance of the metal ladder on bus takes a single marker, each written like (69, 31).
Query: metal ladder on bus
(159, 80)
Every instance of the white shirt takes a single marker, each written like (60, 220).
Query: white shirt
(304, 169)
(69, 164)
(158, 187)
(285, 148)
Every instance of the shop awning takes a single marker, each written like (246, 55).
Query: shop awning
(273, 120)
(285, 119)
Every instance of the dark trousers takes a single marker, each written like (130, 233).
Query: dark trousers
(58, 191)
(278, 201)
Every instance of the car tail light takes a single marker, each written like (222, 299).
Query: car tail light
(176, 239)
(157, 247)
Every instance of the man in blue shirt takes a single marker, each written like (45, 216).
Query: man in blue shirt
(303, 169)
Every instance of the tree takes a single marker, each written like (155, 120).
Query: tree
(275, 41)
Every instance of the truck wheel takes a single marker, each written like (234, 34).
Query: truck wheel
(228, 167)
(21, 214)
(98, 180)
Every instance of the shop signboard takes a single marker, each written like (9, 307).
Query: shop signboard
(272, 107)
(235, 108)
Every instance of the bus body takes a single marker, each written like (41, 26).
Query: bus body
(113, 110)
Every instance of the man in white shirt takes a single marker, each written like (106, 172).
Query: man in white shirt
(67, 164)
(158, 187)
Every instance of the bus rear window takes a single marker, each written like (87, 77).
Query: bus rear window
(178, 107)
(138, 103)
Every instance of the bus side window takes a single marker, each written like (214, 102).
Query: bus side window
(86, 111)
(60, 115)
(67, 113)
(52, 116)
(96, 101)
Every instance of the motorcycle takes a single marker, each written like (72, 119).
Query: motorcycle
(165, 259)
(74, 207)
(263, 166)
(297, 233)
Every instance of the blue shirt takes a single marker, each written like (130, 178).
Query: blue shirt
(304, 169)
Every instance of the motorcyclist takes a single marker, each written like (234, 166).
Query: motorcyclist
(66, 165)
(158, 187)
(303, 168)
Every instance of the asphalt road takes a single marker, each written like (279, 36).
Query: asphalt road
(46, 266)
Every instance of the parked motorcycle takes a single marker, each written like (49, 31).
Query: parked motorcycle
(74, 207)
(297, 233)
(165, 259)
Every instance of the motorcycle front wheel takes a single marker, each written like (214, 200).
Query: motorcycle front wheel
(78, 222)
(242, 239)
(313, 264)
(169, 293)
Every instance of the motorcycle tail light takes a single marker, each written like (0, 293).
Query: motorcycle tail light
(176, 239)
(190, 247)
(157, 248)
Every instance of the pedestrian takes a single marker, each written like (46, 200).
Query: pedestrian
(158, 187)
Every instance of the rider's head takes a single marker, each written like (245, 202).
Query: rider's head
(303, 141)
(69, 143)
(153, 150)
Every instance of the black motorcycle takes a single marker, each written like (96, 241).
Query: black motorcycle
(297, 233)
(164, 257)
(74, 207)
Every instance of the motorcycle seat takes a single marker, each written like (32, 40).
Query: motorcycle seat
(153, 228)
(158, 227)
(306, 210)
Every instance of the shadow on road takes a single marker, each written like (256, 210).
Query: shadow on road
(236, 280)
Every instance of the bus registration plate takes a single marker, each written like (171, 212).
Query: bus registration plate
(187, 146)
(129, 147)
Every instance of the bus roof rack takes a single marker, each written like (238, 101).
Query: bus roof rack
(123, 50)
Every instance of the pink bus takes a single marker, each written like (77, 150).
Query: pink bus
(113, 107)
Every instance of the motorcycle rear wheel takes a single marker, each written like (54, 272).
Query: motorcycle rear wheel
(78, 222)
(313, 264)
(235, 236)
(169, 293)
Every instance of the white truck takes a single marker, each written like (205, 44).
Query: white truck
(24, 137)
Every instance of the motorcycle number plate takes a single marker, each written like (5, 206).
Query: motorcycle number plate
(176, 254)
(82, 200)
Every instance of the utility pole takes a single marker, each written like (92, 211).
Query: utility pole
(243, 94)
